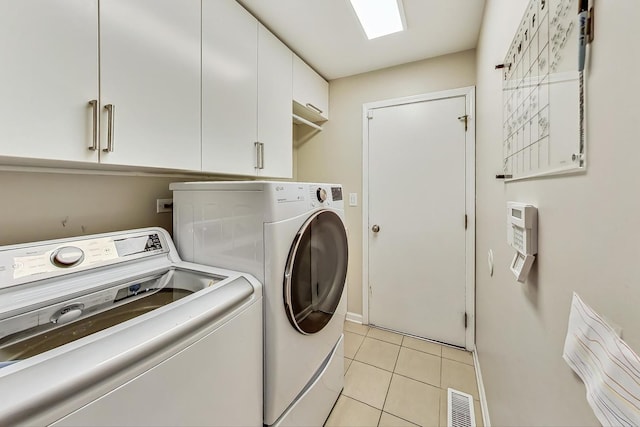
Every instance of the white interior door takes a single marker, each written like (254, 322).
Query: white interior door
(417, 192)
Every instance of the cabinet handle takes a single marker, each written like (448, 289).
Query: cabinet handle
(94, 109)
(259, 155)
(111, 111)
(313, 107)
(257, 147)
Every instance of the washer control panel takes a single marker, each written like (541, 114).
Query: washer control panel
(67, 256)
(25, 263)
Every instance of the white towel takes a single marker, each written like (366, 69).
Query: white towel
(609, 369)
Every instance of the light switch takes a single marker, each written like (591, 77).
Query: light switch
(353, 199)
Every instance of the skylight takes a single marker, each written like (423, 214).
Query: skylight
(379, 17)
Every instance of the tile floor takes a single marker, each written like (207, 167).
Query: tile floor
(396, 380)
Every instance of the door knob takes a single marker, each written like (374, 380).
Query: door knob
(375, 228)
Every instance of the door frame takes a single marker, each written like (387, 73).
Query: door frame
(469, 93)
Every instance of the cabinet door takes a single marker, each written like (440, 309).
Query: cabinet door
(150, 72)
(229, 88)
(49, 73)
(274, 105)
(310, 91)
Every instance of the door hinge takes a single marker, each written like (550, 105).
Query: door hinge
(590, 26)
(370, 114)
(465, 221)
(466, 120)
(465, 320)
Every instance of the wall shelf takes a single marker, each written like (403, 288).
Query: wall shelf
(302, 121)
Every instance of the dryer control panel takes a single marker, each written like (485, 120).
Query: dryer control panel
(324, 195)
(287, 193)
(336, 193)
(316, 195)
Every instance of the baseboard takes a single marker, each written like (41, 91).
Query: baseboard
(483, 396)
(354, 317)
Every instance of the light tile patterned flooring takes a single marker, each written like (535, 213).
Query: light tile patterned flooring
(396, 380)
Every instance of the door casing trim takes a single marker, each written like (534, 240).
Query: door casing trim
(469, 93)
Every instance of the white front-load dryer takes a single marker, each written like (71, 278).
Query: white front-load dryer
(292, 237)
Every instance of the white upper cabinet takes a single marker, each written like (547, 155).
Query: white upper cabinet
(274, 106)
(310, 92)
(246, 95)
(150, 74)
(193, 85)
(148, 71)
(229, 88)
(49, 73)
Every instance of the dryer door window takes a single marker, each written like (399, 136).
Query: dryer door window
(316, 272)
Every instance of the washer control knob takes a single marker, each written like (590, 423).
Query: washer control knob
(67, 256)
(321, 193)
(67, 314)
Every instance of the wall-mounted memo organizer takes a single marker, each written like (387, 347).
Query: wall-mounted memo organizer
(543, 93)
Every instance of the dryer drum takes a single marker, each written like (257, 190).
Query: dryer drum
(316, 272)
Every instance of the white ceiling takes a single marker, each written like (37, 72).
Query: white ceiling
(328, 36)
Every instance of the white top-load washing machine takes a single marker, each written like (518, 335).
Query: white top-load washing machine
(292, 237)
(114, 329)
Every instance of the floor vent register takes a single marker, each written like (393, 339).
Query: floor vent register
(460, 409)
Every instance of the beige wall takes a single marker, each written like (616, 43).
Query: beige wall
(40, 206)
(37, 202)
(335, 154)
(588, 226)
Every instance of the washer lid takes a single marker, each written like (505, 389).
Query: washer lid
(39, 330)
